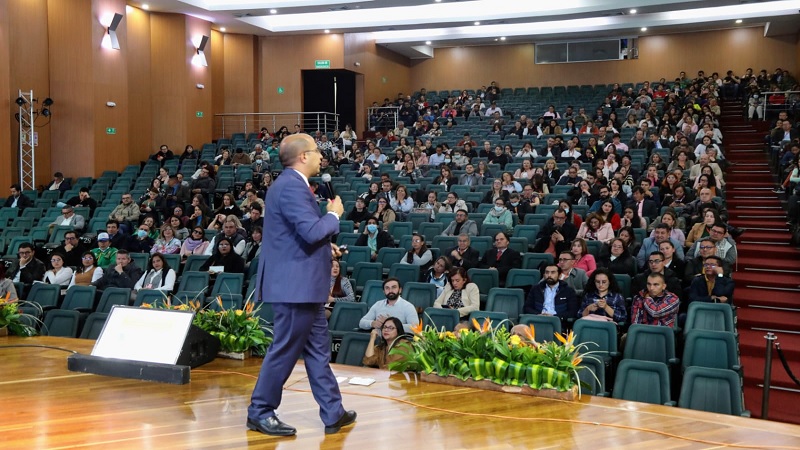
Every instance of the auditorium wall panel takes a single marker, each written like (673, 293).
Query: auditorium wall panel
(198, 129)
(241, 74)
(281, 61)
(140, 110)
(168, 74)
(217, 65)
(27, 50)
(7, 159)
(659, 56)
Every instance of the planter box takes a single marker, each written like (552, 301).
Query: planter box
(570, 395)
(241, 356)
(4, 331)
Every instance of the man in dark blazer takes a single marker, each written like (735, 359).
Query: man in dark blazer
(557, 234)
(501, 257)
(552, 297)
(17, 199)
(293, 276)
(462, 255)
(712, 286)
(644, 206)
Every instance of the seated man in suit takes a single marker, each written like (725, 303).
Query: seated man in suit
(552, 297)
(712, 286)
(462, 255)
(26, 269)
(461, 224)
(644, 206)
(17, 199)
(501, 257)
(68, 218)
(392, 306)
(556, 235)
(59, 183)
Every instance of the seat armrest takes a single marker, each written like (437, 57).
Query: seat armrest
(670, 403)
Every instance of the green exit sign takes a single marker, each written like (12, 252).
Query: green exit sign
(199, 114)
(110, 130)
(322, 64)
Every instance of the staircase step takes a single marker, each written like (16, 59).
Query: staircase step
(771, 223)
(777, 250)
(770, 319)
(753, 278)
(754, 344)
(762, 236)
(782, 404)
(754, 297)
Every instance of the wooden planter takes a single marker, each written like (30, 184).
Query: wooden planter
(3, 331)
(241, 356)
(570, 395)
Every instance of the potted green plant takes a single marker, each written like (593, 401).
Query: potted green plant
(15, 321)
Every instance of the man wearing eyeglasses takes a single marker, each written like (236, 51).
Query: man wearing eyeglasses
(694, 266)
(68, 218)
(712, 286)
(126, 213)
(651, 244)
(655, 264)
(724, 245)
(72, 249)
(297, 247)
(26, 269)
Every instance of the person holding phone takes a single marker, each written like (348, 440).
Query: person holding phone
(460, 294)
(382, 340)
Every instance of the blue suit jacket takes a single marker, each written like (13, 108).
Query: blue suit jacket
(296, 250)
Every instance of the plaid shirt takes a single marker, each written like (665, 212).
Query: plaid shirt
(655, 311)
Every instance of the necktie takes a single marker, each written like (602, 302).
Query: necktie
(499, 254)
(641, 204)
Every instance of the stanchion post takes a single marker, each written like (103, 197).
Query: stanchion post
(770, 338)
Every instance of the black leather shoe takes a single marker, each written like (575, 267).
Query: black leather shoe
(347, 418)
(272, 426)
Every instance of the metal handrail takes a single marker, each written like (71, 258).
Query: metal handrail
(229, 123)
(764, 96)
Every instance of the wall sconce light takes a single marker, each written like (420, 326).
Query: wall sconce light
(200, 58)
(110, 39)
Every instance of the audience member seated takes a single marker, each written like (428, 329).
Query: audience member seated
(583, 259)
(167, 243)
(159, 275)
(384, 213)
(359, 213)
(7, 288)
(643, 206)
(602, 298)
(556, 235)
(391, 334)
(670, 218)
(650, 245)
(725, 246)
(702, 229)
(617, 259)
(671, 261)
(419, 255)
(229, 231)
(452, 204)
(713, 286)
(254, 219)
(181, 232)
(552, 297)
(341, 289)
(83, 199)
(58, 275)
(123, 274)
(500, 215)
(26, 268)
(495, 192)
(392, 306)
(195, 244)
(87, 272)
(460, 294)
(595, 228)
(17, 199)
(252, 249)
(655, 263)
(437, 275)
(59, 183)
(462, 255)
(224, 256)
(68, 218)
(461, 225)
(140, 242)
(501, 257)
(126, 213)
(574, 277)
(655, 305)
(375, 238)
(72, 249)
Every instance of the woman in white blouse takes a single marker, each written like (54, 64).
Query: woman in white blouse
(88, 273)
(158, 276)
(58, 275)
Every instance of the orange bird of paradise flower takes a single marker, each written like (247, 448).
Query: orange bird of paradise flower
(485, 328)
(417, 329)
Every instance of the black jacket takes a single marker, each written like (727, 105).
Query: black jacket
(470, 259)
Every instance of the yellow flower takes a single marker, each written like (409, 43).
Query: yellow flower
(464, 330)
(515, 340)
(239, 312)
(146, 305)
(450, 334)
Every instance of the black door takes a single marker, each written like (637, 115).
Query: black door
(329, 91)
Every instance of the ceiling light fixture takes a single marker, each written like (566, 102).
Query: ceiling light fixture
(223, 29)
(327, 31)
(502, 38)
(633, 11)
(427, 42)
(273, 11)
(145, 6)
(477, 23)
(738, 20)
(644, 28)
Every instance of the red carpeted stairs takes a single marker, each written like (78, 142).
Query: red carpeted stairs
(768, 268)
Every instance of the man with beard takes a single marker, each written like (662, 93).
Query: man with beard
(655, 264)
(551, 297)
(392, 306)
(655, 305)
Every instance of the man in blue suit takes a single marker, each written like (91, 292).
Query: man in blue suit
(293, 276)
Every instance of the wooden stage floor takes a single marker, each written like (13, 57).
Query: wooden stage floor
(44, 406)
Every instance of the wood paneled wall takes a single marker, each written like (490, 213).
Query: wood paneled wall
(7, 158)
(241, 62)
(140, 110)
(659, 56)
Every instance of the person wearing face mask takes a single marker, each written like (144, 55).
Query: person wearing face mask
(551, 297)
(375, 238)
(140, 242)
(260, 164)
(500, 215)
(518, 207)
